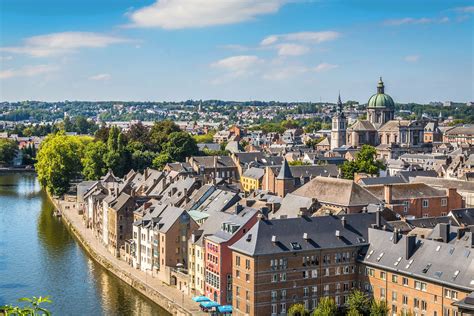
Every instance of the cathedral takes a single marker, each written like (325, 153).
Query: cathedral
(391, 137)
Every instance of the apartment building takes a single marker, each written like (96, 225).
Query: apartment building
(422, 276)
(280, 262)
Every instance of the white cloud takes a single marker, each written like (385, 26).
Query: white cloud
(407, 21)
(324, 66)
(62, 43)
(27, 71)
(412, 58)
(468, 9)
(100, 77)
(289, 49)
(179, 14)
(2, 58)
(237, 63)
(307, 37)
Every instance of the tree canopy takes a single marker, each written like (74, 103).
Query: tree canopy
(8, 149)
(364, 162)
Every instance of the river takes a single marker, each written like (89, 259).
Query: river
(38, 256)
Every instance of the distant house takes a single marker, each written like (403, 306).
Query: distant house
(417, 199)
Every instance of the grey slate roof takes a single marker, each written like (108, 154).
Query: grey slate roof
(254, 173)
(239, 220)
(464, 216)
(449, 264)
(285, 172)
(381, 180)
(321, 233)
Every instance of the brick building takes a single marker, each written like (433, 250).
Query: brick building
(426, 277)
(417, 199)
(280, 262)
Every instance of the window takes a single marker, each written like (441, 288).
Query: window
(237, 290)
(315, 290)
(283, 308)
(274, 296)
(274, 278)
(382, 293)
(247, 264)
(405, 300)
(305, 274)
(237, 274)
(394, 296)
(237, 261)
(274, 309)
(416, 303)
(305, 292)
(283, 276)
(394, 278)
(283, 294)
(314, 274)
(383, 275)
(420, 286)
(424, 305)
(326, 272)
(425, 203)
(247, 277)
(405, 281)
(444, 202)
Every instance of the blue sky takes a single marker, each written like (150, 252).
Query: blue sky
(286, 50)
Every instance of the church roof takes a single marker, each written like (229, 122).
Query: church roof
(285, 172)
(362, 125)
(380, 99)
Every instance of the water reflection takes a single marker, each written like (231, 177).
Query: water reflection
(38, 256)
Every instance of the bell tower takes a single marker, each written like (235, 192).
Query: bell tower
(339, 126)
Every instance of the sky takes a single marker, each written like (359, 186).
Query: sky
(281, 50)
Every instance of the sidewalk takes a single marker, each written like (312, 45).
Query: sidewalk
(173, 295)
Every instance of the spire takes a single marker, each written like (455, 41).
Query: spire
(285, 172)
(339, 103)
(380, 86)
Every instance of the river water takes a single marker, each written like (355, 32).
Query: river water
(39, 257)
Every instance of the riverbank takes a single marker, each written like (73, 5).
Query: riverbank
(167, 297)
(16, 170)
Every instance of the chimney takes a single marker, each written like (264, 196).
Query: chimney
(444, 230)
(395, 236)
(387, 193)
(305, 236)
(472, 239)
(302, 212)
(145, 173)
(274, 239)
(451, 192)
(343, 221)
(460, 233)
(260, 217)
(186, 197)
(238, 208)
(378, 219)
(265, 210)
(410, 246)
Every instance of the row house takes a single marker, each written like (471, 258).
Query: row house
(217, 256)
(212, 167)
(160, 239)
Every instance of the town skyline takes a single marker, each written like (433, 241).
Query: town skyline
(151, 51)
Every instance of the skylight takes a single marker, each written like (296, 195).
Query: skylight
(398, 261)
(380, 257)
(456, 273)
(295, 245)
(428, 266)
(409, 264)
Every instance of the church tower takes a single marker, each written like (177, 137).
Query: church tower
(339, 125)
(380, 108)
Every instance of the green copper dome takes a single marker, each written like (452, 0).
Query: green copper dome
(380, 99)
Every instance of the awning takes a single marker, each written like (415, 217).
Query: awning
(209, 304)
(200, 299)
(225, 309)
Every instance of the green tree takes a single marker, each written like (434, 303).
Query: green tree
(8, 149)
(379, 308)
(358, 301)
(298, 163)
(160, 132)
(298, 310)
(180, 145)
(93, 163)
(59, 161)
(161, 160)
(117, 157)
(364, 162)
(326, 307)
(33, 307)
